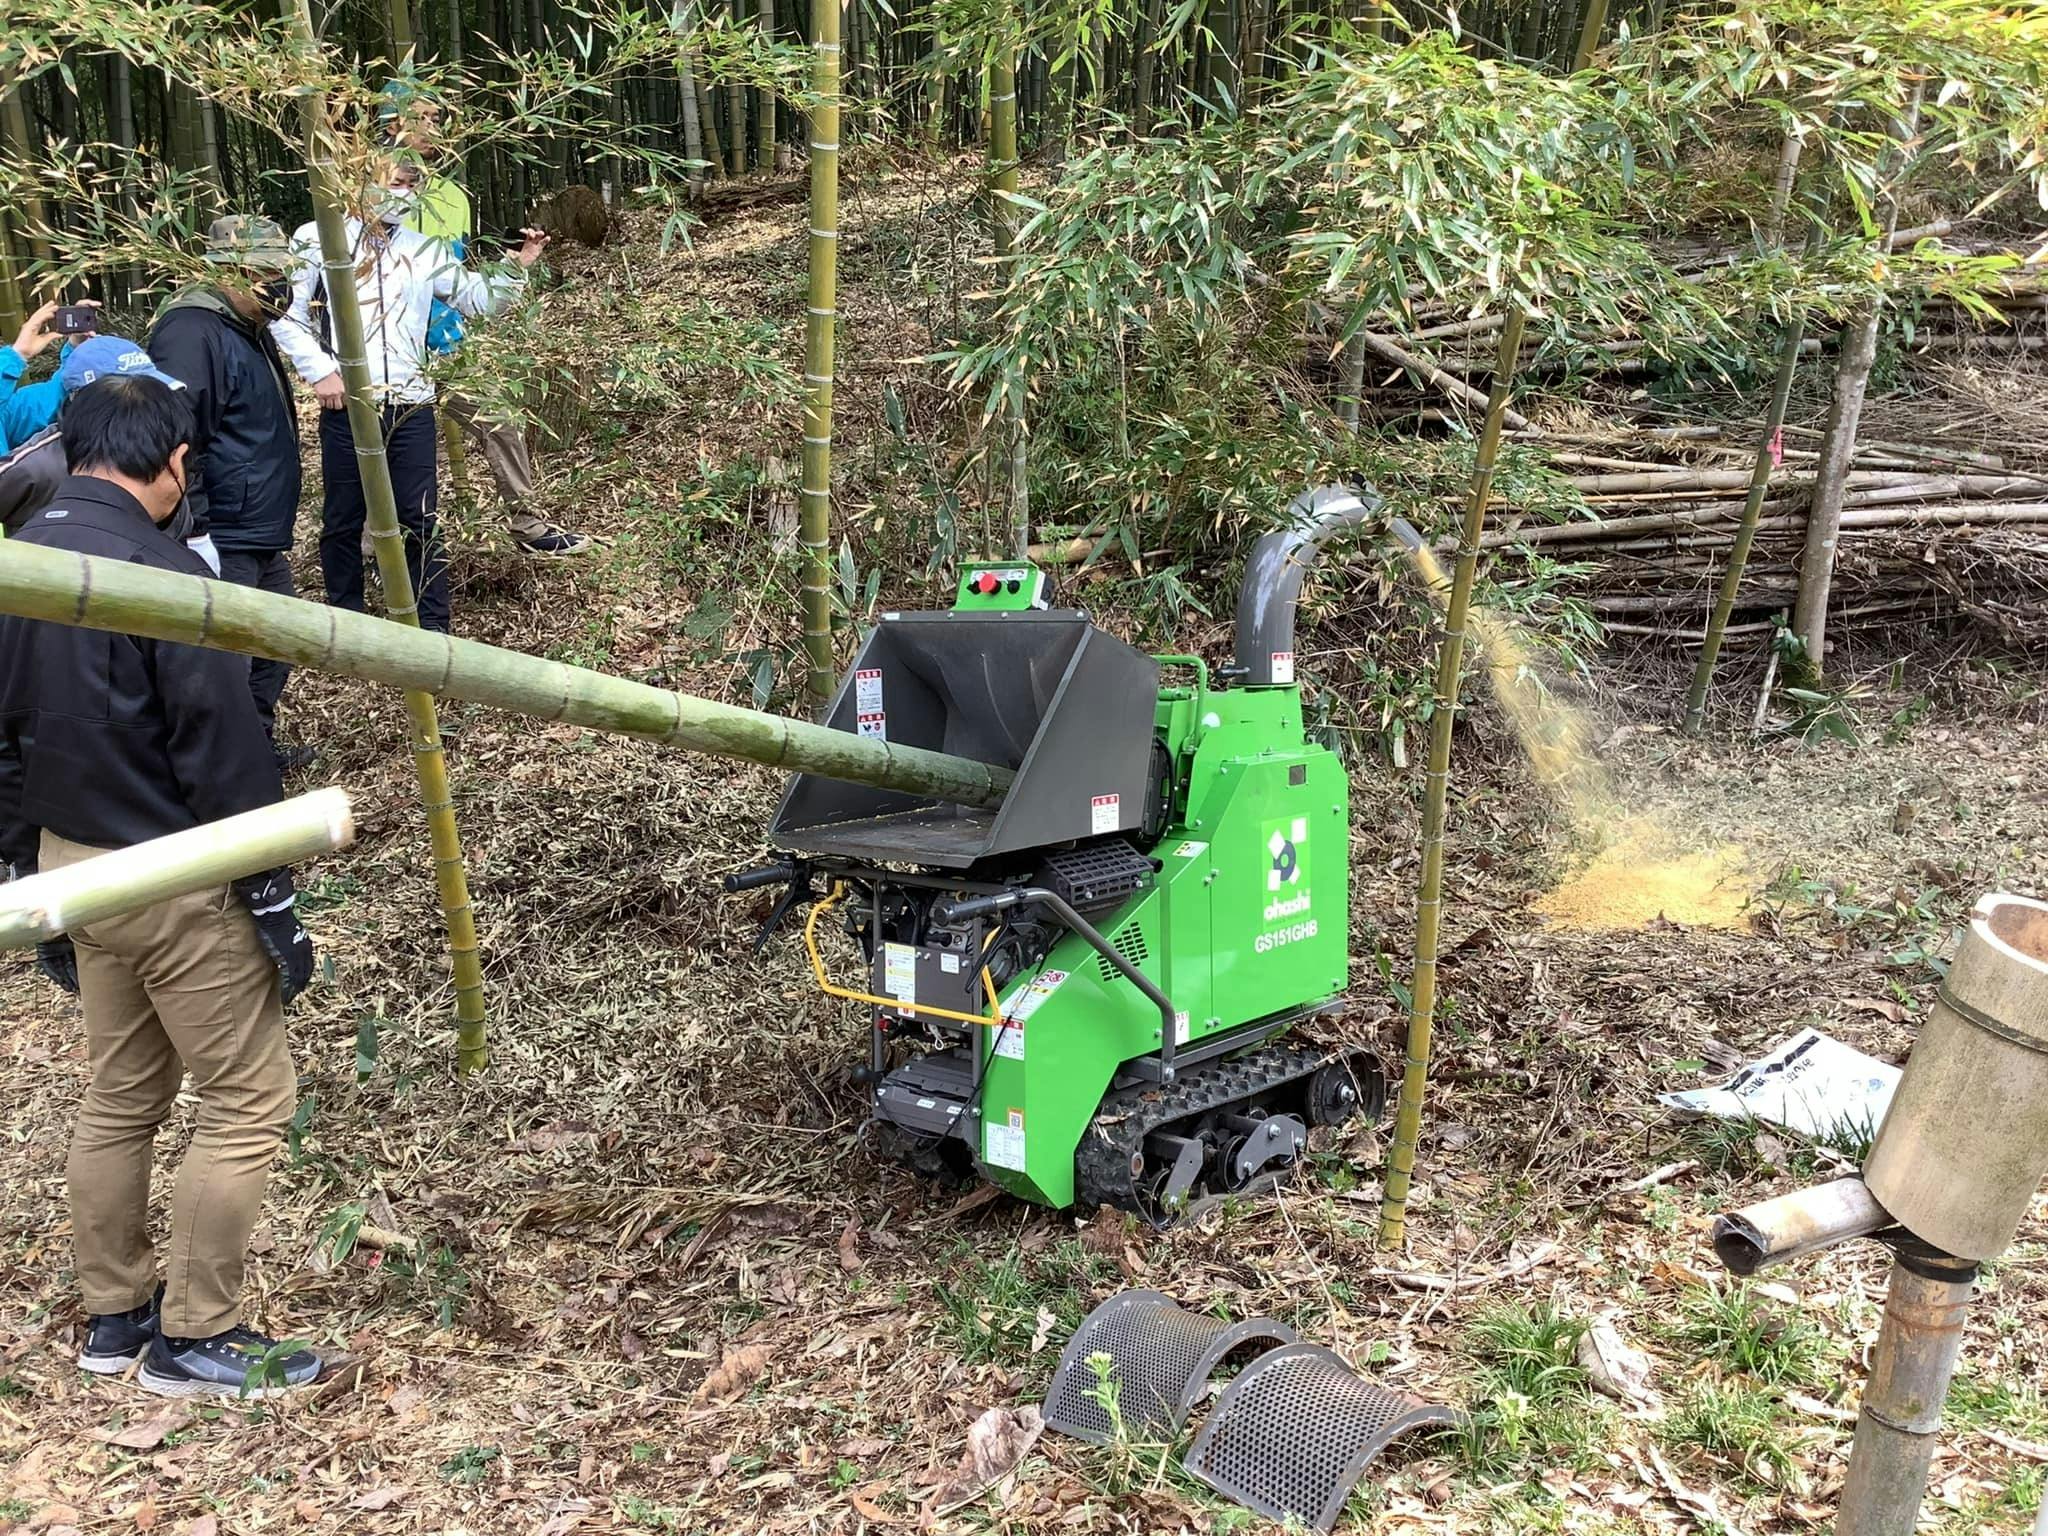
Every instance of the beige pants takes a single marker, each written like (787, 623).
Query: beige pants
(183, 986)
(510, 460)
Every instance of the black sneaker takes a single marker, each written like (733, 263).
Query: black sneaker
(291, 759)
(116, 1340)
(553, 543)
(238, 1363)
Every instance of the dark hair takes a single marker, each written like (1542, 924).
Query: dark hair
(128, 423)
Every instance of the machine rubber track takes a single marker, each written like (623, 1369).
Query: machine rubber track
(1103, 1162)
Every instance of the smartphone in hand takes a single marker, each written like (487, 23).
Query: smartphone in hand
(75, 319)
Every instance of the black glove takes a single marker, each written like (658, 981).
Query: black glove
(56, 959)
(270, 899)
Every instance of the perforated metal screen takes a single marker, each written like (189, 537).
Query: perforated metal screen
(1297, 1429)
(1161, 1355)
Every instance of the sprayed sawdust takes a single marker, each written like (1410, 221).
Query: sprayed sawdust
(1641, 872)
(1641, 878)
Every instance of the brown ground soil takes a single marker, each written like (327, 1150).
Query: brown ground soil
(659, 1287)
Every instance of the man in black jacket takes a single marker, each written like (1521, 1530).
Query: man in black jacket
(215, 338)
(107, 740)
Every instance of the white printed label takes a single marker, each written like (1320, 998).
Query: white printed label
(1283, 666)
(899, 972)
(1003, 1145)
(867, 691)
(1189, 850)
(875, 725)
(1180, 1027)
(950, 964)
(1023, 1003)
(1105, 814)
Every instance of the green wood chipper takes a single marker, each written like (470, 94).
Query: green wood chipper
(1088, 992)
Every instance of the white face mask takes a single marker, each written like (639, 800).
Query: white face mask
(393, 205)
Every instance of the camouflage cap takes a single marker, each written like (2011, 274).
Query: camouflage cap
(248, 240)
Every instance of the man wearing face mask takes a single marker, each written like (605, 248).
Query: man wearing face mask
(108, 740)
(398, 276)
(244, 462)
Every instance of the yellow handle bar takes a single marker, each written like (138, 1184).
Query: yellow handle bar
(993, 1017)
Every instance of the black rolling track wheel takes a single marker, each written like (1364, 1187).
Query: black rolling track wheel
(1347, 1087)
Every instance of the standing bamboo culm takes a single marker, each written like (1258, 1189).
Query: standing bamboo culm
(814, 523)
(13, 313)
(1450, 659)
(1768, 453)
(1002, 164)
(367, 428)
(1838, 448)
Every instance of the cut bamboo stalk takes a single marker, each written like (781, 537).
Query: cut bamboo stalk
(67, 588)
(814, 522)
(366, 428)
(128, 879)
(1436, 789)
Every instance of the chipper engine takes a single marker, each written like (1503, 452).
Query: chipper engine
(1088, 993)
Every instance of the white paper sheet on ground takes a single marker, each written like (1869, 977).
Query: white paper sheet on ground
(1811, 1084)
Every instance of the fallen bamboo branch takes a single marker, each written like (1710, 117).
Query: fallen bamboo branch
(1451, 385)
(1426, 1280)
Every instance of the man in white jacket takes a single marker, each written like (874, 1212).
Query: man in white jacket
(398, 275)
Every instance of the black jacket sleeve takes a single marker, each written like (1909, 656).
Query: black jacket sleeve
(20, 844)
(219, 754)
(186, 345)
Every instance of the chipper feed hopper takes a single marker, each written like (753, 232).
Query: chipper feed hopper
(1086, 994)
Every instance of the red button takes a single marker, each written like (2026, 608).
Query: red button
(986, 583)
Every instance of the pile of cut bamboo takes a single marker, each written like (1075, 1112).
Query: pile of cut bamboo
(1928, 534)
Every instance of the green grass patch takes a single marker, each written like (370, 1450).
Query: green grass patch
(1532, 1402)
(989, 1308)
(1745, 1331)
(1734, 1421)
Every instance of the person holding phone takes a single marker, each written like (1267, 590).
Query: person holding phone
(25, 411)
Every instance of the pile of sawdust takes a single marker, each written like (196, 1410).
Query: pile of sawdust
(1642, 877)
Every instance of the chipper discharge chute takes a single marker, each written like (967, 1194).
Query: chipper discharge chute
(1085, 993)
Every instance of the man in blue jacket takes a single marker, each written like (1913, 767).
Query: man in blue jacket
(244, 464)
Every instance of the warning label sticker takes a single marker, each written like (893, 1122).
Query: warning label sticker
(1189, 850)
(1105, 814)
(867, 691)
(875, 725)
(1283, 666)
(1023, 1003)
(1180, 1027)
(1002, 1142)
(899, 972)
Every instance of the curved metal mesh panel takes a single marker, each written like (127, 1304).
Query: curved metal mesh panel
(1161, 1356)
(1297, 1429)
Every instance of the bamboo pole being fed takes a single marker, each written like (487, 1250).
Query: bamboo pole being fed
(1450, 659)
(67, 588)
(366, 427)
(814, 521)
(128, 879)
